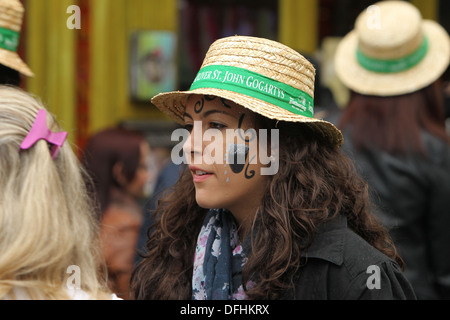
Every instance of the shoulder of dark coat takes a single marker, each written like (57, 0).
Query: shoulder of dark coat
(338, 244)
(338, 265)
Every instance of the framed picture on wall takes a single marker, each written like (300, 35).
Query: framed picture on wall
(152, 63)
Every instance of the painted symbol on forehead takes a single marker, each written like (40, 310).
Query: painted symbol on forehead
(237, 156)
(210, 98)
(199, 105)
(225, 104)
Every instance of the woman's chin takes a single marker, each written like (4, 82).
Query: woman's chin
(206, 202)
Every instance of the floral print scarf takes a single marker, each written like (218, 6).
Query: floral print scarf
(219, 259)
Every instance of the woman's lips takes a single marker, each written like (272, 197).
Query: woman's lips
(199, 175)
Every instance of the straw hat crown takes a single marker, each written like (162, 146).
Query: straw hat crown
(264, 76)
(11, 14)
(11, 18)
(392, 51)
(269, 58)
(382, 33)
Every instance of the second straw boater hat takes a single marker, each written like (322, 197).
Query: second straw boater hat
(262, 75)
(392, 51)
(11, 17)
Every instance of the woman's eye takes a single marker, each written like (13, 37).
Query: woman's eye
(188, 127)
(216, 125)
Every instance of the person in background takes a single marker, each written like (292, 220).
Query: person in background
(297, 225)
(11, 65)
(117, 160)
(394, 128)
(167, 177)
(49, 243)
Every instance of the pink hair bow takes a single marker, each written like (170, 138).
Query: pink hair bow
(40, 131)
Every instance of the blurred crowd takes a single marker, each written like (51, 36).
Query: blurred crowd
(95, 209)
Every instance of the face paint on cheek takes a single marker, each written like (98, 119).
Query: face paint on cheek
(237, 156)
(228, 178)
(244, 137)
(225, 166)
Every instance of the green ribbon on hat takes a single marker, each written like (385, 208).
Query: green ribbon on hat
(255, 85)
(394, 65)
(9, 39)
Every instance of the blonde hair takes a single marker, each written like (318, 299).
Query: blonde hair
(47, 223)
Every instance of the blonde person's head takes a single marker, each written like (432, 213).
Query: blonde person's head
(46, 220)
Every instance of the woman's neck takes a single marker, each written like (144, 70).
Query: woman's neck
(244, 220)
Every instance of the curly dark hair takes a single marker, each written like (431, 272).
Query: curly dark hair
(315, 183)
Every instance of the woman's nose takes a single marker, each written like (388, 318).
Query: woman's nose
(193, 146)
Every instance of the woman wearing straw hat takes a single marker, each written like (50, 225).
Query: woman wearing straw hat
(233, 228)
(394, 127)
(11, 65)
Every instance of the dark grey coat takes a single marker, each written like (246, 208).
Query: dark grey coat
(340, 265)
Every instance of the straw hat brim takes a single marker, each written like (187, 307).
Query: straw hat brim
(173, 104)
(360, 80)
(13, 61)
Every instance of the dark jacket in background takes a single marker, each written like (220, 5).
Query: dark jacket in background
(413, 198)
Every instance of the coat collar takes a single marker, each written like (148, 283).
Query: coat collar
(328, 242)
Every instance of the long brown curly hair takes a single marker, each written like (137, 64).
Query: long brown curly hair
(315, 183)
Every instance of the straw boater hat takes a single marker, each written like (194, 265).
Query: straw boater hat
(11, 16)
(392, 51)
(264, 76)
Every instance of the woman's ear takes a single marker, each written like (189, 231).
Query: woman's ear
(117, 172)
